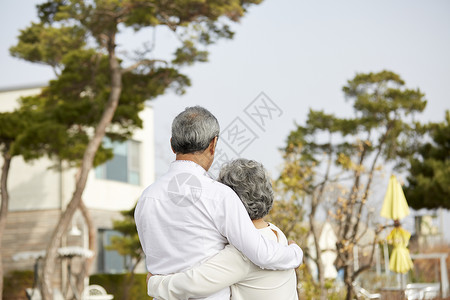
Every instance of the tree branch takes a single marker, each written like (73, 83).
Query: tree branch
(369, 180)
(143, 62)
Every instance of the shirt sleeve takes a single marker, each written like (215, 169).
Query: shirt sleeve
(233, 222)
(222, 270)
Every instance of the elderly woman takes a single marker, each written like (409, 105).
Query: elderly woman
(229, 267)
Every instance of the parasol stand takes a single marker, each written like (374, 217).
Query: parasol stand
(396, 208)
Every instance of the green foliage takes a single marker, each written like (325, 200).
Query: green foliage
(310, 290)
(195, 22)
(44, 44)
(72, 37)
(129, 243)
(11, 125)
(99, 90)
(71, 106)
(14, 126)
(381, 106)
(330, 161)
(115, 283)
(15, 283)
(188, 54)
(288, 216)
(429, 172)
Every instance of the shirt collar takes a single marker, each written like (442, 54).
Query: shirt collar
(187, 165)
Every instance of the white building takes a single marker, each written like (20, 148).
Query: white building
(40, 190)
(327, 244)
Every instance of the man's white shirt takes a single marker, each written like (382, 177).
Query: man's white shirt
(186, 217)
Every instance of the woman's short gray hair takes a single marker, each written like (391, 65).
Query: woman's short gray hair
(193, 130)
(251, 183)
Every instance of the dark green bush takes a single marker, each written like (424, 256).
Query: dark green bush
(115, 284)
(15, 283)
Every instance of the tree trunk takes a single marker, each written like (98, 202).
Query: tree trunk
(348, 282)
(318, 261)
(85, 271)
(130, 280)
(4, 208)
(86, 165)
(314, 205)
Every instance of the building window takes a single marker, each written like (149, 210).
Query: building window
(110, 261)
(124, 166)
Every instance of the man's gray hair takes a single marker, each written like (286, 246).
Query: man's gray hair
(251, 183)
(193, 130)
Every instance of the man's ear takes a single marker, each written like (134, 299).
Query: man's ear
(212, 145)
(171, 146)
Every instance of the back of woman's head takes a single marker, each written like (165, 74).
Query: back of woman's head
(251, 183)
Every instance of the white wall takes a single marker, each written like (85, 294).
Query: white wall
(9, 98)
(36, 185)
(33, 185)
(114, 195)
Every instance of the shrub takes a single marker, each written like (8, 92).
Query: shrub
(115, 284)
(15, 283)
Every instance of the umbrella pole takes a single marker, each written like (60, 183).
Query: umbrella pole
(386, 258)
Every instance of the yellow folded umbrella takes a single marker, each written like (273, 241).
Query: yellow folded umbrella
(395, 206)
(400, 260)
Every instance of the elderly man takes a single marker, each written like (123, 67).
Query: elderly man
(185, 217)
(229, 267)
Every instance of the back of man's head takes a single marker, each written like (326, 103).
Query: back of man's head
(193, 130)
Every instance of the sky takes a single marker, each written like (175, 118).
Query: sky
(286, 57)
